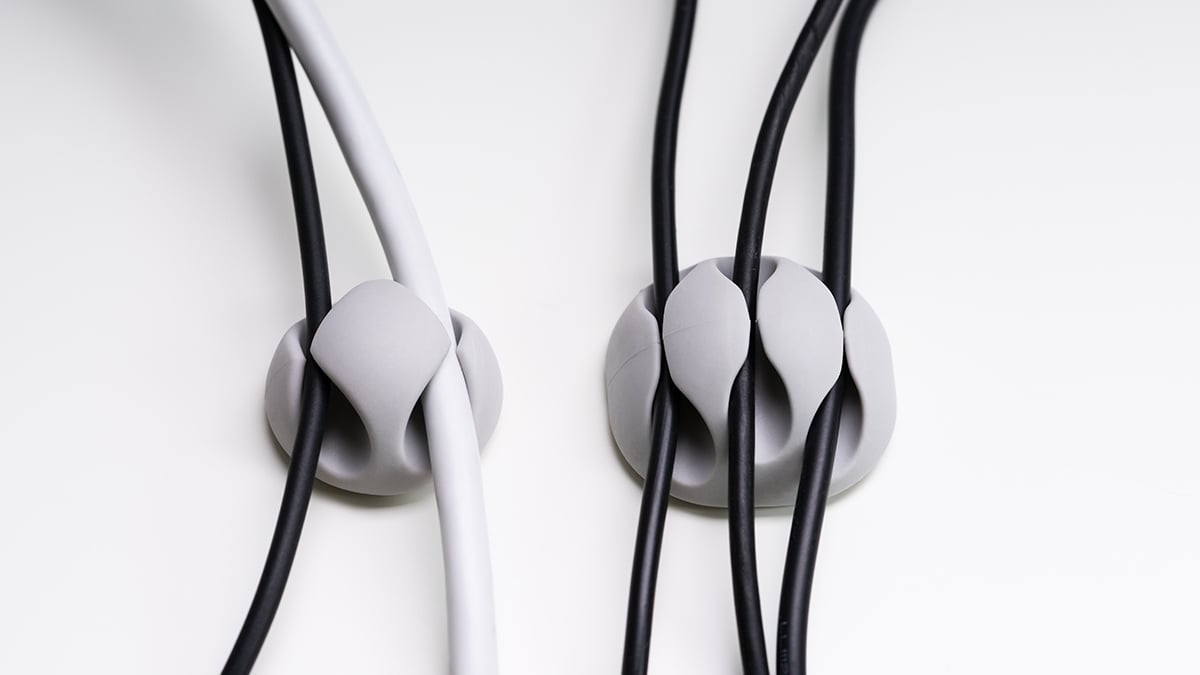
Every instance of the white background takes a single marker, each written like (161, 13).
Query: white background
(1027, 223)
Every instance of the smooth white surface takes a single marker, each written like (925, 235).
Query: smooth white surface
(1027, 229)
(449, 424)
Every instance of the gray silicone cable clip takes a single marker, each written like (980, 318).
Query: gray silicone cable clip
(380, 345)
(705, 336)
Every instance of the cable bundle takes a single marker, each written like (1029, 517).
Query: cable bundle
(450, 365)
(821, 445)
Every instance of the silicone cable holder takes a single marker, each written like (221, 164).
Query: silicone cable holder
(706, 337)
(380, 345)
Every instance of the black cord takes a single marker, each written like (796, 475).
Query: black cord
(821, 444)
(661, 466)
(315, 397)
(747, 258)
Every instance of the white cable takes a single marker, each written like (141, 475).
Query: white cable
(454, 448)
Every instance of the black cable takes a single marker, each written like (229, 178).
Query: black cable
(747, 258)
(821, 444)
(315, 397)
(659, 471)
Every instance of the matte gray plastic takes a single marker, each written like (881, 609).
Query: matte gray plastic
(869, 360)
(380, 345)
(481, 370)
(632, 365)
(706, 329)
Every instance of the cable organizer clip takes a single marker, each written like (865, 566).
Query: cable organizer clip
(800, 347)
